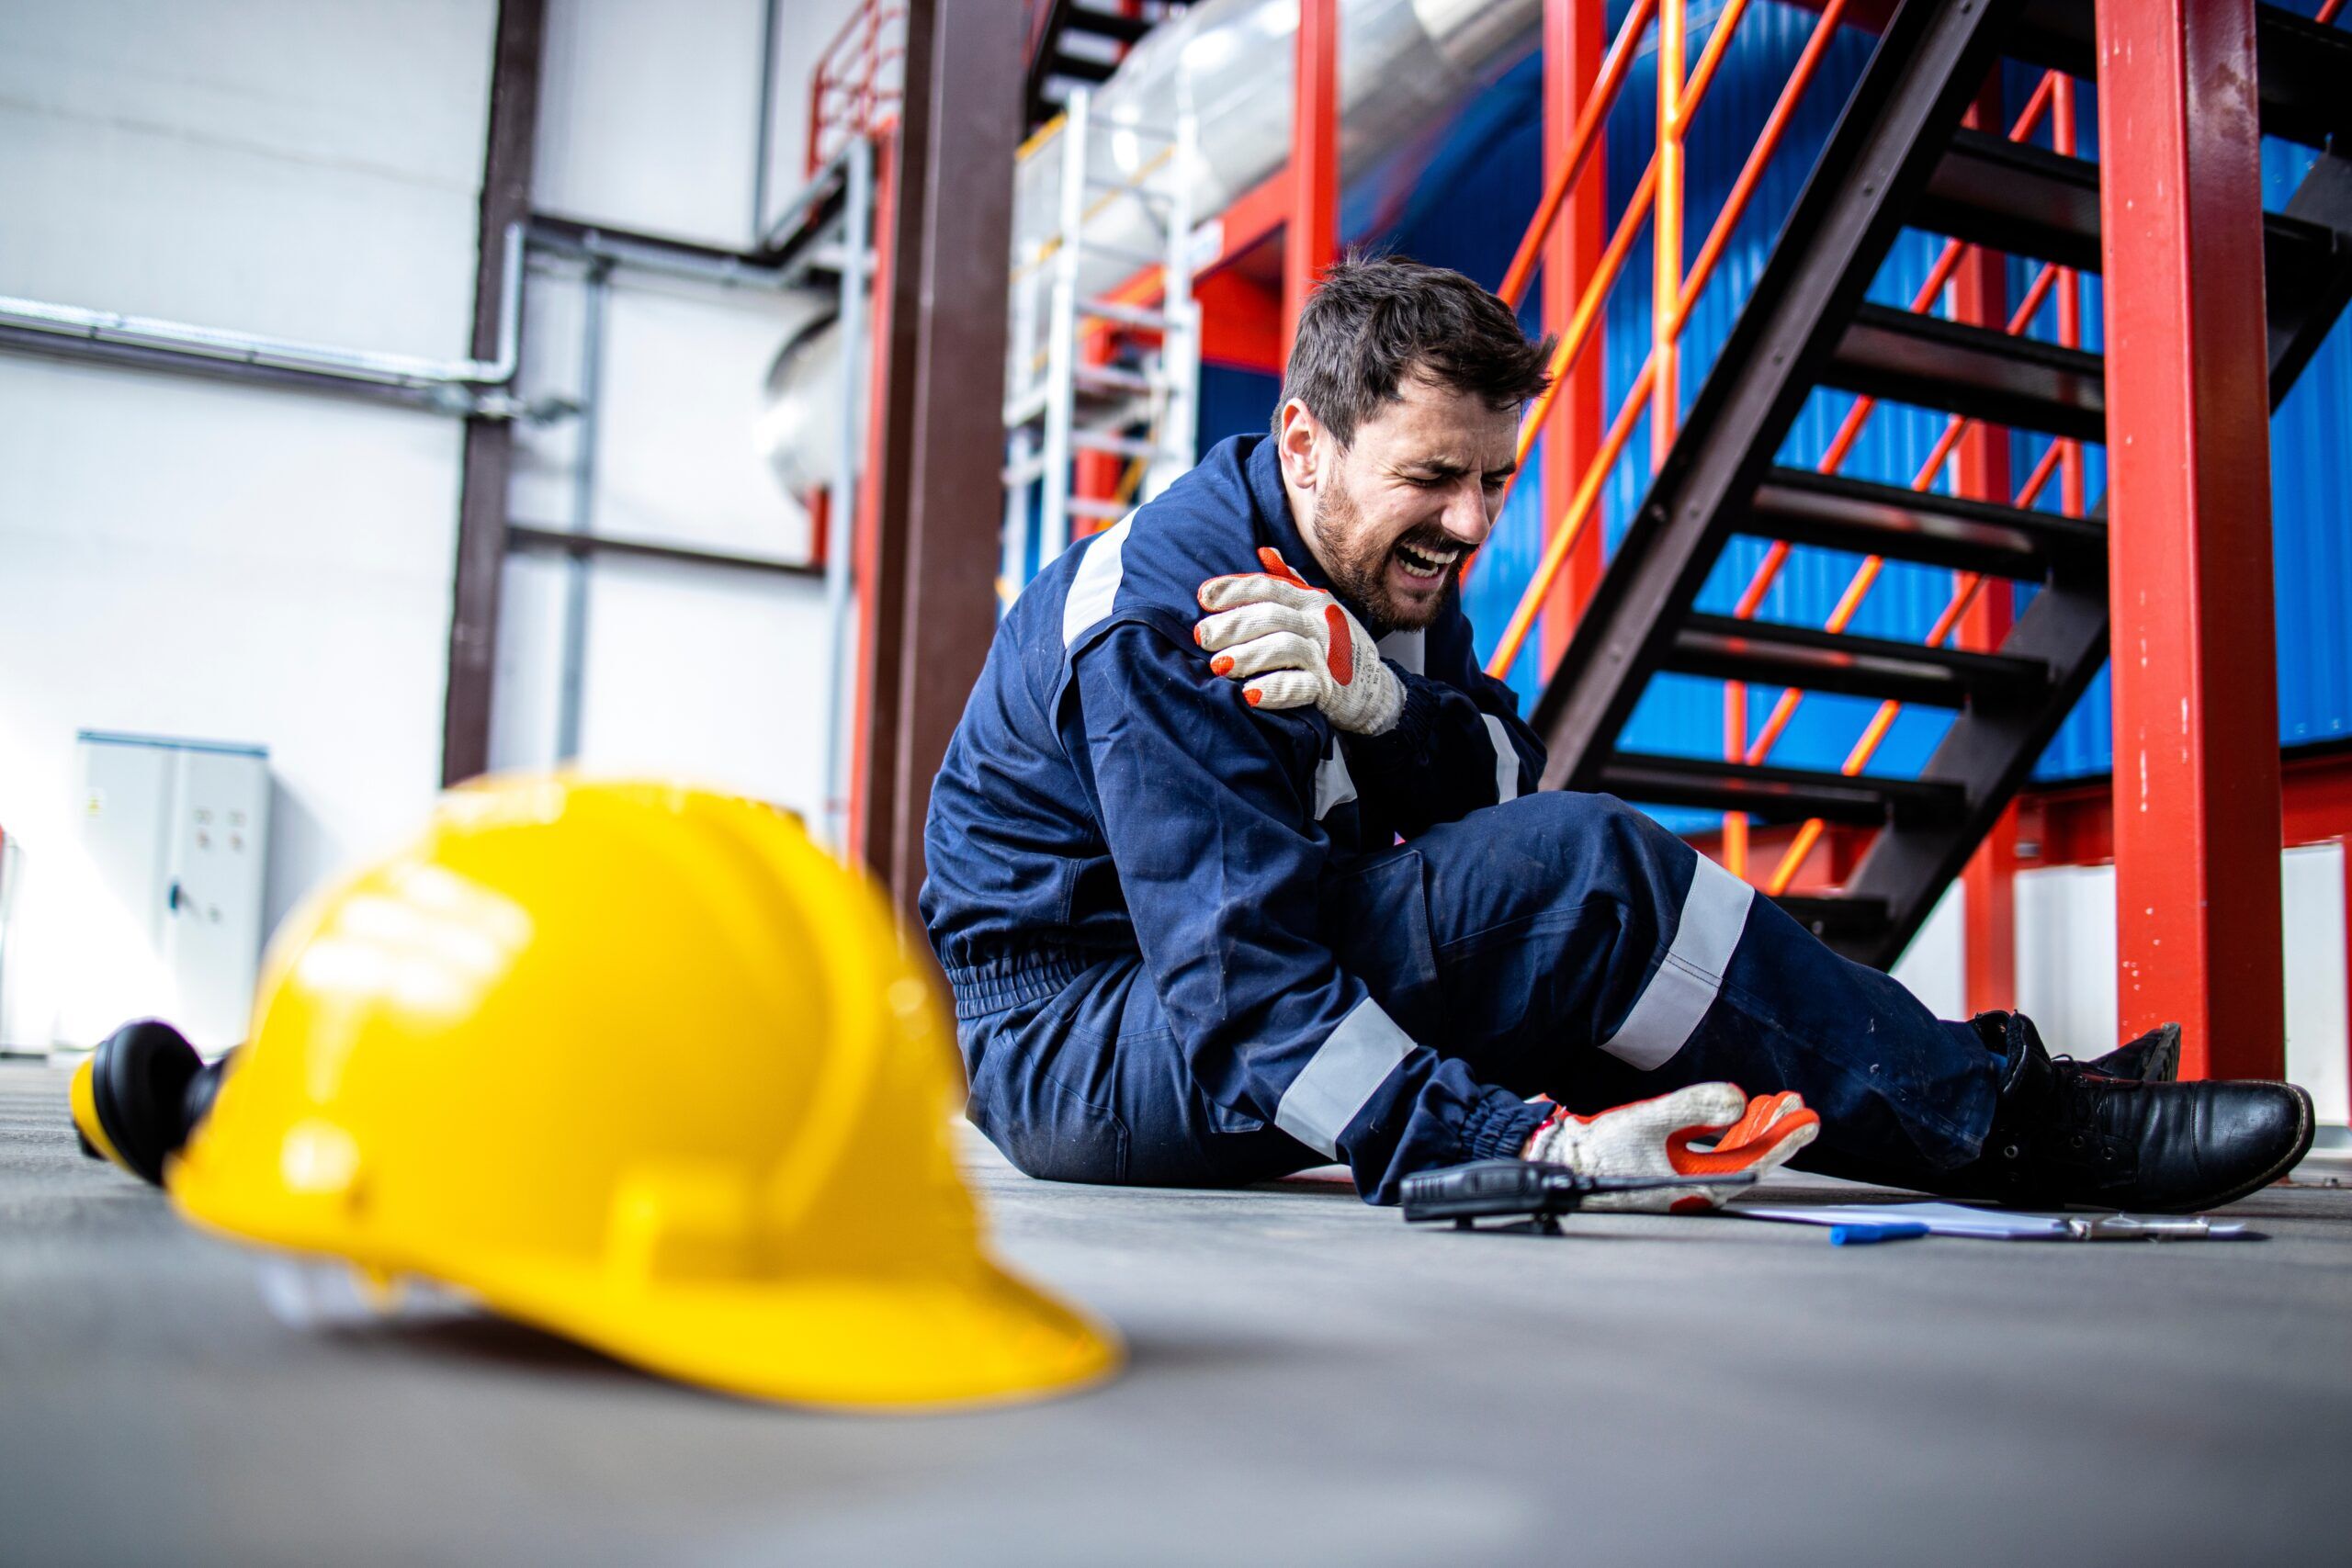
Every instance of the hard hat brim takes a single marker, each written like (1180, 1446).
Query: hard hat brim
(981, 1337)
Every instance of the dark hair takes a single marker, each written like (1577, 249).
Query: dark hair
(1374, 321)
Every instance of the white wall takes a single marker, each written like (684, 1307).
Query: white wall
(195, 558)
(649, 114)
(712, 674)
(647, 122)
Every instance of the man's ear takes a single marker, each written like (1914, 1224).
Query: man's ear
(1301, 443)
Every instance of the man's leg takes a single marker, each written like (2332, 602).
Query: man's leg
(1091, 1086)
(1581, 951)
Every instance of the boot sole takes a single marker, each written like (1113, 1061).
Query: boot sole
(2248, 1188)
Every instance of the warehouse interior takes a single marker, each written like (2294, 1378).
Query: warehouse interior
(397, 392)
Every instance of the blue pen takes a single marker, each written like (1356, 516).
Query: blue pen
(1863, 1236)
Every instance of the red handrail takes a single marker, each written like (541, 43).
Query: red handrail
(1578, 336)
(847, 69)
(1582, 138)
(1582, 502)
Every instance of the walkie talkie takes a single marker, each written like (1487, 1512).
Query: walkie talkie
(1534, 1192)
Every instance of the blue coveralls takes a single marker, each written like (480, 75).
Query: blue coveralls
(1188, 947)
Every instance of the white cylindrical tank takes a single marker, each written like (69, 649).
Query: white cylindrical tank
(1403, 66)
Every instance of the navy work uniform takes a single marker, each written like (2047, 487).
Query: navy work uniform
(1188, 948)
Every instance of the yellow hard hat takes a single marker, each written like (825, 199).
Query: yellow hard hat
(642, 1065)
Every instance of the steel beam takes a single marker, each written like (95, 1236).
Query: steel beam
(2197, 805)
(1989, 945)
(931, 579)
(1312, 238)
(1576, 40)
(489, 443)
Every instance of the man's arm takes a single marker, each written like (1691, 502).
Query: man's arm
(1423, 750)
(1221, 866)
(1452, 751)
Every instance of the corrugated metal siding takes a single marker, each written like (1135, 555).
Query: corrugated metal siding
(1490, 165)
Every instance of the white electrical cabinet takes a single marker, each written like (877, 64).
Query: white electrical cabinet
(176, 833)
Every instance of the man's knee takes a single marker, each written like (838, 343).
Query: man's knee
(1575, 835)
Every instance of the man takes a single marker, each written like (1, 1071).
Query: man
(1236, 866)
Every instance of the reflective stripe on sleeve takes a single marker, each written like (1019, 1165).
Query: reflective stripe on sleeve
(1714, 914)
(1344, 1073)
(1334, 785)
(1096, 584)
(1505, 759)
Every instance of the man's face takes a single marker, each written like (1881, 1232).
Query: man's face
(1392, 516)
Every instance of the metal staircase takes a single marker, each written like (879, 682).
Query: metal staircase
(1054, 65)
(1099, 374)
(1901, 157)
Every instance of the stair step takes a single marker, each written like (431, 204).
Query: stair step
(1767, 654)
(1830, 916)
(1910, 358)
(2301, 66)
(1078, 68)
(2020, 199)
(1838, 513)
(1105, 24)
(2026, 201)
(1779, 793)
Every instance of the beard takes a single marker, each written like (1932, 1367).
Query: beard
(1358, 564)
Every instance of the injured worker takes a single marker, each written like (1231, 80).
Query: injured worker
(1238, 866)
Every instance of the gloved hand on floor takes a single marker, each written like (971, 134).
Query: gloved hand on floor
(1292, 645)
(1653, 1137)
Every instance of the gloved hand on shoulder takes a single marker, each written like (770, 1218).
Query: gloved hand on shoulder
(1654, 1137)
(1290, 645)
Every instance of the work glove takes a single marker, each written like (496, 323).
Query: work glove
(1653, 1137)
(1291, 645)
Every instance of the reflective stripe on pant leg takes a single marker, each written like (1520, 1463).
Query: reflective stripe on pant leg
(1714, 914)
(1346, 1071)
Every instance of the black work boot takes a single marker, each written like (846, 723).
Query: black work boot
(2064, 1132)
(2154, 1057)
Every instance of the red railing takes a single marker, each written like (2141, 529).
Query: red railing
(1658, 199)
(857, 85)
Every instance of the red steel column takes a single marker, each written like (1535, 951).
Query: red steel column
(2197, 812)
(1575, 37)
(1989, 943)
(1314, 232)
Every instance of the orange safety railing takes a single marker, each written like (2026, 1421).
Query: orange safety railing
(1657, 198)
(858, 83)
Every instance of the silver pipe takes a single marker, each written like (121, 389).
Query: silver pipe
(850, 326)
(570, 690)
(218, 346)
(760, 154)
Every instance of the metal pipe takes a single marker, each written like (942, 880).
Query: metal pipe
(842, 495)
(583, 517)
(467, 381)
(634, 254)
(760, 150)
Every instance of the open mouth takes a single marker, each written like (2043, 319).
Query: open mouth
(1427, 563)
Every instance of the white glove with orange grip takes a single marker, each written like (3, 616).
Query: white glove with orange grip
(1653, 1137)
(1292, 645)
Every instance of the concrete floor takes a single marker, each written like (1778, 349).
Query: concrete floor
(1311, 1382)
